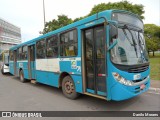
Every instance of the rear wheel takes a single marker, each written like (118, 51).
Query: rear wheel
(21, 76)
(68, 88)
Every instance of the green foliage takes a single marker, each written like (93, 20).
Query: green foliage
(152, 36)
(155, 65)
(122, 5)
(62, 20)
(77, 19)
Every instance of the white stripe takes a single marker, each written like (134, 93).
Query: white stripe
(51, 65)
(154, 93)
(22, 61)
(70, 59)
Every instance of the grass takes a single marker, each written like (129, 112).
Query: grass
(155, 66)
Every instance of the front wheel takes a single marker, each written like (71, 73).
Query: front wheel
(68, 88)
(21, 76)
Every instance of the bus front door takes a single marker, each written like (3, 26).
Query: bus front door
(94, 60)
(31, 61)
(15, 62)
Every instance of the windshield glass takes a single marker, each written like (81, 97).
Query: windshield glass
(130, 49)
(124, 18)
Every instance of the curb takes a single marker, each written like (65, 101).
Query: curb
(154, 90)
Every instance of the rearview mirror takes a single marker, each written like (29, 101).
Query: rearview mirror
(112, 45)
(113, 31)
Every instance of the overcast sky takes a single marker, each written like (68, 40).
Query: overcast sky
(28, 14)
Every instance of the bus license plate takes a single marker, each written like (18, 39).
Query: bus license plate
(142, 86)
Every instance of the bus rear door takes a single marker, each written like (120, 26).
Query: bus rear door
(15, 62)
(31, 61)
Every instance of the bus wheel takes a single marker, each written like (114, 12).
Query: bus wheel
(21, 76)
(68, 88)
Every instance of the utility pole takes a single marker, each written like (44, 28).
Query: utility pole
(44, 13)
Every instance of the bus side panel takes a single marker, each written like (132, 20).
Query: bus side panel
(46, 70)
(78, 83)
(41, 76)
(11, 67)
(73, 67)
(32, 69)
(53, 79)
(25, 70)
(48, 78)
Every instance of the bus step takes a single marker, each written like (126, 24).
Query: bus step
(33, 81)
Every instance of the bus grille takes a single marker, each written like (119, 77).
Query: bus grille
(138, 69)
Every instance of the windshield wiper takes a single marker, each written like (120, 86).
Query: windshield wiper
(133, 40)
(140, 45)
(127, 36)
(140, 42)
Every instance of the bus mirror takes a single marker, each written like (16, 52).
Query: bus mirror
(113, 44)
(113, 31)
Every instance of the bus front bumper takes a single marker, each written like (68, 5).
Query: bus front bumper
(122, 92)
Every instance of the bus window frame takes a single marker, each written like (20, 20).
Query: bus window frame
(26, 52)
(72, 29)
(41, 48)
(54, 35)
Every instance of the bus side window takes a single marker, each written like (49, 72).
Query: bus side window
(40, 51)
(52, 46)
(19, 53)
(68, 43)
(24, 53)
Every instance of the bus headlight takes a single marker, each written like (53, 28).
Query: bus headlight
(121, 79)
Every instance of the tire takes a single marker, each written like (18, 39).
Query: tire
(68, 88)
(21, 76)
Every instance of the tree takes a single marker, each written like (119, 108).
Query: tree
(122, 5)
(152, 36)
(77, 19)
(62, 20)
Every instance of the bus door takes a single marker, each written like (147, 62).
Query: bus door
(94, 60)
(31, 61)
(15, 62)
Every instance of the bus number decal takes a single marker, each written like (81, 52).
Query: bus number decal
(73, 64)
(20, 64)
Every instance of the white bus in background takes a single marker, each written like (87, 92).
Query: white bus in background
(4, 58)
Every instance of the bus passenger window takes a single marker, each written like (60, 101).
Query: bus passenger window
(19, 53)
(40, 52)
(52, 46)
(24, 53)
(68, 43)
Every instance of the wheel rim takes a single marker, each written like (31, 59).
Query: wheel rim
(69, 87)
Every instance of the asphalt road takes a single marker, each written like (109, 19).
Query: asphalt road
(17, 96)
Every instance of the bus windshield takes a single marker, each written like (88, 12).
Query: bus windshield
(130, 49)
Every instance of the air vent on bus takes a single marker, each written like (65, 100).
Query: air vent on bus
(138, 69)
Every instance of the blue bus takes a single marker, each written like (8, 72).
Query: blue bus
(103, 55)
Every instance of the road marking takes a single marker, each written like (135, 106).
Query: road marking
(154, 91)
